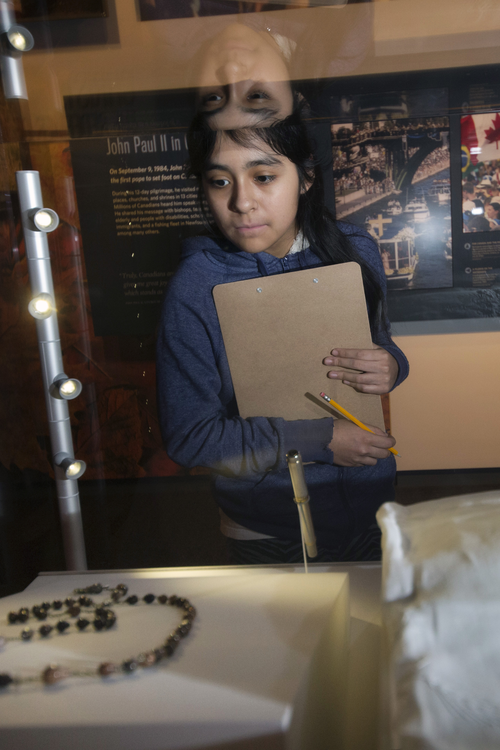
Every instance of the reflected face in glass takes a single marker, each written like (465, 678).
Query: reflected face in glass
(244, 80)
(253, 194)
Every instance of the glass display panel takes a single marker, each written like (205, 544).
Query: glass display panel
(404, 109)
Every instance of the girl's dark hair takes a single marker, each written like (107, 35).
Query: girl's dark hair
(290, 138)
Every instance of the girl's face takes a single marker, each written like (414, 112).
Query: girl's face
(253, 194)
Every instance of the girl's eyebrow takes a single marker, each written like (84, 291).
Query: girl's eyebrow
(264, 161)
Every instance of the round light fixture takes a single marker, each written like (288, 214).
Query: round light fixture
(75, 469)
(41, 306)
(67, 388)
(45, 219)
(20, 39)
(72, 467)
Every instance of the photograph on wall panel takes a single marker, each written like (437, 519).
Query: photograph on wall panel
(480, 137)
(392, 178)
(400, 157)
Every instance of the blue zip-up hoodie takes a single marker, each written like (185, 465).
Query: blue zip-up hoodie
(199, 414)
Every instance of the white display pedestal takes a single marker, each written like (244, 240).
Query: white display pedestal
(265, 665)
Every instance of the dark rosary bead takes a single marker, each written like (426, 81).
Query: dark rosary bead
(163, 599)
(62, 625)
(85, 601)
(82, 623)
(69, 601)
(41, 614)
(13, 617)
(146, 659)
(106, 668)
(119, 591)
(172, 600)
(184, 629)
(149, 598)
(45, 630)
(54, 674)
(110, 621)
(99, 624)
(171, 644)
(27, 634)
(5, 679)
(96, 588)
(57, 604)
(23, 614)
(46, 606)
(160, 653)
(132, 600)
(129, 666)
(74, 611)
(101, 611)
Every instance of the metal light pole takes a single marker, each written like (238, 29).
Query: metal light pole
(14, 41)
(37, 221)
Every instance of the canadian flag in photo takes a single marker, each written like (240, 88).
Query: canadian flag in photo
(481, 136)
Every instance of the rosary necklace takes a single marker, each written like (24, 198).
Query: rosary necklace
(76, 613)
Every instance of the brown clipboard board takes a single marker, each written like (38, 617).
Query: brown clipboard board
(278, 329)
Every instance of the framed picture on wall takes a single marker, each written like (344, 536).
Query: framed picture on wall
(53, 10)
(155, 10)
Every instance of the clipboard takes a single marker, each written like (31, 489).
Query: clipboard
(278, 329)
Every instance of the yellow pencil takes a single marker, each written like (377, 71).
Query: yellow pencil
(343, 411)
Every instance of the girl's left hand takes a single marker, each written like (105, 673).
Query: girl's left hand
(378, 369)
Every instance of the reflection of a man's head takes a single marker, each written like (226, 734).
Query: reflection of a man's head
(244, 80)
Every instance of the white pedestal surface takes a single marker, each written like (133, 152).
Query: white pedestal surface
(265, 666)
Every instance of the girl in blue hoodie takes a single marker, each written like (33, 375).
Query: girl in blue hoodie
(266, 198)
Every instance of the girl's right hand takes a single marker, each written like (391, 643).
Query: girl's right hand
(352, 446)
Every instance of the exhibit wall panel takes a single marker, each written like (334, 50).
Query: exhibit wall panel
(446, 415)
